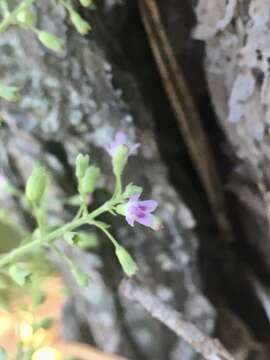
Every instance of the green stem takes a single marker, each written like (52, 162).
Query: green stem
(6, 259)
(106, 232)
(11, 18)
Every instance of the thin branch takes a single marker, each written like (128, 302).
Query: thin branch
(210, 349)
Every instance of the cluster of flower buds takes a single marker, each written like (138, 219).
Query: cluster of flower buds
(87, 175)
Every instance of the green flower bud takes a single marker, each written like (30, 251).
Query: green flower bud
(80, 276)
(26, 17)
(86, 3)
(88, 182)
(36, 184)
(80, 24)
(119, 160)
(131, 190)
(9, 93)
(82, 162)
(51, 41)
(19, 274)
(127, 263)
(121, 209)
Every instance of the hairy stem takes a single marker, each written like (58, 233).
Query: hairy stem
(11, 18)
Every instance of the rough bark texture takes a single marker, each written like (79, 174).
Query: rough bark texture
(236, 36)
(76, 103)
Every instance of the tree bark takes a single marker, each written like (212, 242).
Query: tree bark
(109, 81)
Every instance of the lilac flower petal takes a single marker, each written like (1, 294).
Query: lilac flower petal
(145, 219)
(134, 149)
(148, 205)
(130, 220)
(134, 198)
(120, 138)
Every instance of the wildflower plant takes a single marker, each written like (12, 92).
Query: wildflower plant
(23, 16)
(125, 201)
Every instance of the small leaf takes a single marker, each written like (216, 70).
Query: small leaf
(69, 237)
(10, 93)
(44, 324)
(19, 274)
(81, 239)
(86, 3)
(128, 264)
(80, 24)
(51, 41)
(38, 297)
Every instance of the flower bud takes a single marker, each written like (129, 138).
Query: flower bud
(9, 93)
(88, 182)
(119, 160)
(86, 3)
(121, 209)
(80, 24)
(82, 163)
(36, 184)
(26, 17)
(127, 263)
(51, 41)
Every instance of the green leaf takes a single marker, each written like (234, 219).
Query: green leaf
(86, 3)
(80, 24)
(44, 324)
(38, 297)
(131, 190)
(3, 354)
(51, 41)
(126, 261)
(81, 239)
(19, 274)
(10, 93)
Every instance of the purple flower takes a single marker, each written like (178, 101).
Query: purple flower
(140, 211)
(119, 140)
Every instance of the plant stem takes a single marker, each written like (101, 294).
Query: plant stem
(106, 232)
(11, 18)
(7, 258)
